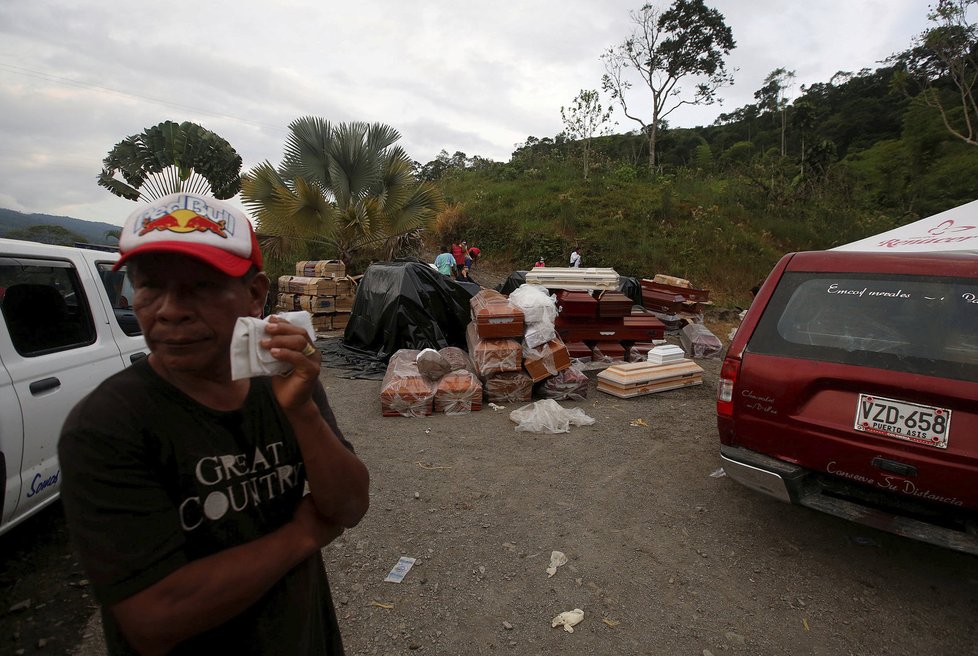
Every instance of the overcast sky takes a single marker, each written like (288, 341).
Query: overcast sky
(475, 76)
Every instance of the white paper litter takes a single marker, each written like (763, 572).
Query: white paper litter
(398, 572)
(557, 558)
(568, 619)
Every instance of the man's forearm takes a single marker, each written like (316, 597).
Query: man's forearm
(207, 592)
(338, 480)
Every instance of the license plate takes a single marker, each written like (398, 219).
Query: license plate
(912, 422)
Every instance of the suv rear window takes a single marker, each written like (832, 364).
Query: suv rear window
(916, 324)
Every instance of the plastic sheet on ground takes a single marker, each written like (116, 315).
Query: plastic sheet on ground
(548, 416)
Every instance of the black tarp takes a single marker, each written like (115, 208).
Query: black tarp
(512, 283)
(632, 288)
(406, 304)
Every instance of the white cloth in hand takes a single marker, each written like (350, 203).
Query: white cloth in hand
(249, 358)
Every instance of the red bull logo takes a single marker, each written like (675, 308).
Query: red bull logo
(183, 221)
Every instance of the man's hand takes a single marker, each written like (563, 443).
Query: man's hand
(291, 344)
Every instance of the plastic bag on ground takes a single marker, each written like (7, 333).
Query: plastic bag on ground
(547, 416)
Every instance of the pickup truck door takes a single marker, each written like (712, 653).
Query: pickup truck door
(11, 442)
(58, 348)
(117, 306)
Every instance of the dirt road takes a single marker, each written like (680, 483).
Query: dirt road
(663, 557)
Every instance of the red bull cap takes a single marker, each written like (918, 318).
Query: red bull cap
(202, 227)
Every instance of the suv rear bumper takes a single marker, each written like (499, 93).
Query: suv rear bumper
(795, 484)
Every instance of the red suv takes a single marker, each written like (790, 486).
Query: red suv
(851, 387)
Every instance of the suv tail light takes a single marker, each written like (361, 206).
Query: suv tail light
(725, 388)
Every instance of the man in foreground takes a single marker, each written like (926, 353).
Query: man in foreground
(183, 488)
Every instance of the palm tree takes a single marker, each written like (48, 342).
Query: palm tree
(172, 157)
(346, 185)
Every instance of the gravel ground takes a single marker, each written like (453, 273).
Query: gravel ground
(664, 557)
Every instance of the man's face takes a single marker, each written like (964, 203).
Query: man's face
(187, 311)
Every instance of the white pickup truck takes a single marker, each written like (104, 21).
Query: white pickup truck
(66, 325)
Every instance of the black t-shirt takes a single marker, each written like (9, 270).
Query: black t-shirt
(152, 480)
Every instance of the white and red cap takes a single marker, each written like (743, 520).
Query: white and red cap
(201, 227)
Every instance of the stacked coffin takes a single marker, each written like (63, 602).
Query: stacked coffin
(573, 279)
(492, 338)
(418, 381)
(603, 320)
(674, 300)
(638, 378)
(322, 288)
(405, 391)
(459, 391)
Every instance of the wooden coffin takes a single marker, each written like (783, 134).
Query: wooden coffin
(320, 268)
(546, 360)
(491, 356)
(343, 303)
(404, 391)
(573, 279)
(639, 378)
(645, 329)
(608, 352)
(494, 316)
(314, 304)
(322, 323)
(310, 286)
(340, 320)
(665, 354)
(509, 387)
(577, 304)
(638, 352)
(458, 392)
(579, 351)
(669, 285)
(457, 358)
(613, 305)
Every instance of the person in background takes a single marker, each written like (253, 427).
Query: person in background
(474, 253)
(463, 275)
(540, 262)
(468, 255)
(445, 263)
(183, 488)
(458, 252)
(575, 257)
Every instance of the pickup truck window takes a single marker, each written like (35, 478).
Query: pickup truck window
(921, 324)
(120, 293)
(44, 306)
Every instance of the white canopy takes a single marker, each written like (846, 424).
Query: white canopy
(953, 230)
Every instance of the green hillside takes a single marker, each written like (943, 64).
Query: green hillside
(723, 204)
(18, 223)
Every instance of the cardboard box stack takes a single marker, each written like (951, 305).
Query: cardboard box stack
(322, 288)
